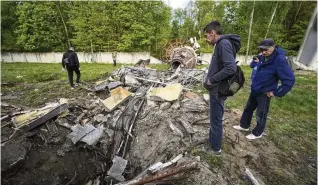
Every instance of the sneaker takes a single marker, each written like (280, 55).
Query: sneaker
(216, 153)
(238, 127)
(76, 85)
(252, 136)
(72, 88)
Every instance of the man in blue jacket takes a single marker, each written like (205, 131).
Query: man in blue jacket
(222, 66)
(271, 68)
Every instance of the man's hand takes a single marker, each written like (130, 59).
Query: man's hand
(270, 94)
(255, 59)
(63, 69)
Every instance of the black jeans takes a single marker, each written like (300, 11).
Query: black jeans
(216, 115)
(70, 70)
(261, 103)
(114, 62)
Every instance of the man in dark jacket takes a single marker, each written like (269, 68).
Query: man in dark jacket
(70, 61)
(271, 68)
(222, 66)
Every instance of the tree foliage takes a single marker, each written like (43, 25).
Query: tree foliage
(146, 25)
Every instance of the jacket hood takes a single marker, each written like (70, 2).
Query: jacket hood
(280, 51)
(234, 39)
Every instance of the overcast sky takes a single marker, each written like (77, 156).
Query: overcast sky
(177, 3)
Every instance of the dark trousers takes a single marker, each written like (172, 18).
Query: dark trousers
(261, 103)
(114, 62)
(216, 115)
(70, 70)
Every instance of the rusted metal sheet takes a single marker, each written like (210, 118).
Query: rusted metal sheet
(184, 57)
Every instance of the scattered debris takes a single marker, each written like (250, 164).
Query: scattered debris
(190, 95)
(35, 118)
(88, 134)
(118, 167)
(170, 172)
(169, 93)
(165, 106)
(142, 63)
(135, 118)
(118, 96)
(160, 166)
(174, 129)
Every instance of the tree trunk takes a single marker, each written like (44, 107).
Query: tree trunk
(270, 23)
(58, 8)
(249, 33)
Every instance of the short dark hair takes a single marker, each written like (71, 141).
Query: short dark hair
(214, 25)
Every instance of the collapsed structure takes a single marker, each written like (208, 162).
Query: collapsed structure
(116, 119)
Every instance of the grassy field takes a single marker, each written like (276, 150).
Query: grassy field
(293, 116)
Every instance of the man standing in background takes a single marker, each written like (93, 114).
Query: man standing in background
(70, 61)
(114, 55)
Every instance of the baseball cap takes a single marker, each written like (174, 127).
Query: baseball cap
(71, 48)
(266, 43)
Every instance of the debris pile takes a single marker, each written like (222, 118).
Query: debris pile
(137, 126)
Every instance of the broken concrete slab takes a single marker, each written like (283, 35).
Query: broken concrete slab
(118, 96)
(80, 132)
(88, 134)
(118, 167)
(169, 93)
(30, 120)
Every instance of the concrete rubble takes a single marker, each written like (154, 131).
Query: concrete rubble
(145, 119)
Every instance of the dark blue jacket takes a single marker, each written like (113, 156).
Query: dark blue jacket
(222, 64)
(268, 74)
(253, 65)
